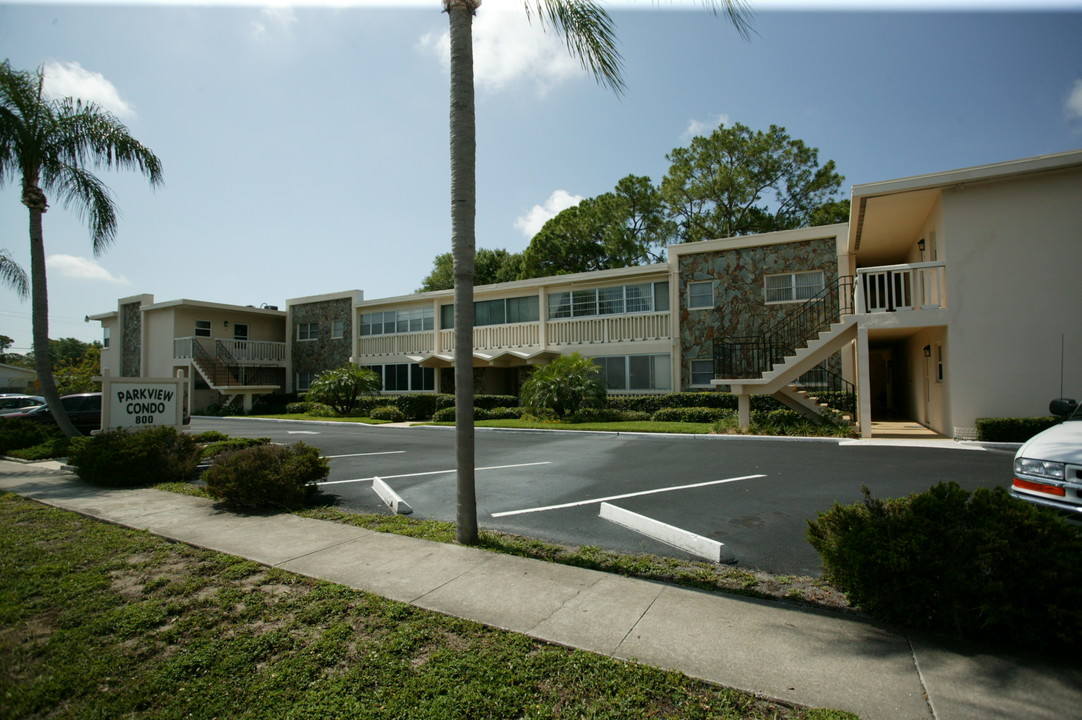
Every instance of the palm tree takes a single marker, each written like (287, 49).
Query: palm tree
(13, 276)
(590, 37)
(49, 144)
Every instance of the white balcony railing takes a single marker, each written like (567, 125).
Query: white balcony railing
(581, 331)
(251, 351)
(893, 288)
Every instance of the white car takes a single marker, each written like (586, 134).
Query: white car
(1048, 467)
(14, 403)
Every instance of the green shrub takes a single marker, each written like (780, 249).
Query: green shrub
(417, 406)
(18, 433)
(595, 415)
(267, 477)
(210, 436)
(320, 410)
(505, 413)
(980, 566)
(1012, 429)
(342, 387)
(231, 408)
(637, 403)
(389, 413)
(488, 402)
(565, 385)
(54, 447)
(121, 458)
(231, 444)
(447, 414)
(691, 414)
(298, 408)
(273, 403)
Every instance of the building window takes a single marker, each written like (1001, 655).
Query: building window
(701, 295)
(405, 377)
(105, 332)
(240, 331)
(202, 328)
(304, 381)
(702, 372)
(636, 372)
(939, 363)
(338, 329)
(307, 331)
(793, 287)
(496, 312)
(616, 300)
(392, 322)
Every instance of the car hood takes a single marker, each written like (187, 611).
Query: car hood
(1061, 443)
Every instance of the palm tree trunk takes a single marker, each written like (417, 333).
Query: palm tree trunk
(34, 199)
(463, 240)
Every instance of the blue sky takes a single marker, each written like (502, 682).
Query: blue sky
(305, 147)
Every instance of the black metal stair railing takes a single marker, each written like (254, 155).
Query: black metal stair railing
(750, 357)
(827, 386)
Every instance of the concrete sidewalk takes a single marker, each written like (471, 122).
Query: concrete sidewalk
(813, 658)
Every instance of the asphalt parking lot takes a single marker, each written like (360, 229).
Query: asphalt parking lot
(754, 495)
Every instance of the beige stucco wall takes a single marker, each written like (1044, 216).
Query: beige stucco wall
(1014, 251)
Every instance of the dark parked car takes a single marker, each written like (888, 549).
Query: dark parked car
(83, 409)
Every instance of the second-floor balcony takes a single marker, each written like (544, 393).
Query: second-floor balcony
(594, 330)
(895, 288)
(261, 352)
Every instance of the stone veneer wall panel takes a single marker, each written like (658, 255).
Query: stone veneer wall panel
(324, 353)
(131, 333)
(740, 308)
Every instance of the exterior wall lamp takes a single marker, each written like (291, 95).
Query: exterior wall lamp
(920, 244)
(927, 351)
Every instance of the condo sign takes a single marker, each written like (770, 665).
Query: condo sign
(136, 403)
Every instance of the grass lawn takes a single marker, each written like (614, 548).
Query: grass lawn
(97, 621)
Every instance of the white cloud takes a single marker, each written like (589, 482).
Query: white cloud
(509, 49)
(1073, 105)
(72, 80)
(273, 21)
(79, 268)
(704, 127)
(532, 221)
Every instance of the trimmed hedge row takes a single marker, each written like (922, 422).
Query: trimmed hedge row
(982, 566)
(1012, 429)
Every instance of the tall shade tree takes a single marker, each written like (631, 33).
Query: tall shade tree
(589, 34)
(738, 181)
(51, 145)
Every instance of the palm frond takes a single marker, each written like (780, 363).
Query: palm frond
(12, 275)
(738, 12)
(87, 133)
(589, 34)
(91, 199)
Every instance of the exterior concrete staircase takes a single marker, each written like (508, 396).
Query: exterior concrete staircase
(800, 343)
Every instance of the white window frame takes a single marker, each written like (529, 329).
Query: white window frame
(237, 333)
(105, 336)
(693, 372)
(338, 329)
(695, 299)
(661, 375)
(307, 332)
(301, 386)
(204, 326)
(792, 290)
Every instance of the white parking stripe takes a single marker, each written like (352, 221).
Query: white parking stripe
(621, 497)
(434, 472)
(388, 452)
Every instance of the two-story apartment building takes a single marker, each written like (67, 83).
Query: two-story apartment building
(227, 351)
(947, 297)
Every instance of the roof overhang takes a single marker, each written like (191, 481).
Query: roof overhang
(502, 358)
(887, 216)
